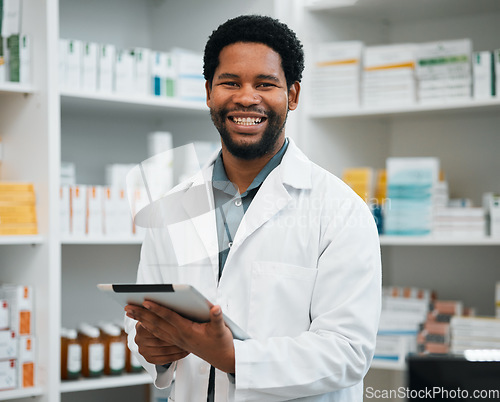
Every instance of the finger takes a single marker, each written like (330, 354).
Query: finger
(217, 320)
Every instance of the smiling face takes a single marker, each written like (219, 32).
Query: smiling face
(249, 100)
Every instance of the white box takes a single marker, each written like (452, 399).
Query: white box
(20, 298)
(142, 71)
(74, 65)
(11, 18)
(190, 84)
(95, 210)
(496, 68)
(106, 66)
(482, 75)
(8, 374)
(89, 66)
(25, 59)
(26, 362)
(116, 174)
(159, 67)
(117, 214)
(64, 210)
(494, 209)
(8, 345)
(78, 209)
(158, 142)
(4, 314)
(124, 72)
(68, 174)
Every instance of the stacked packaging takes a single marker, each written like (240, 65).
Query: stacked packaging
(444, 71)
(14, 45)
(403, 310)
(336, 76)
(483, 74)
(460, 222)
(434, 334)
(94, 67)
(389, 75)
(411, 184)
(360, 180)
(491, 205)
(474, 333)
(17, 209)
(17, 341)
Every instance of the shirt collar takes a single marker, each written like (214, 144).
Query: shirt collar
(221, 182)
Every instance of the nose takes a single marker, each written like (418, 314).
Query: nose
(246, 96)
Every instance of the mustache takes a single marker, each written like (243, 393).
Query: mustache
(251, 109)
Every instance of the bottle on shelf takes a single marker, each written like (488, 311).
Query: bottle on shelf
(92, 350)
(114, 349)
(71, 355)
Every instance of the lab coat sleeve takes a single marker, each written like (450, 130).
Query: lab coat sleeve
(147, 273)
(336, 351)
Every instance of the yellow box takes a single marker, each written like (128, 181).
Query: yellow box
(16, 187)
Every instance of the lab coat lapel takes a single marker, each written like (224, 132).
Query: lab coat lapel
(271, 198)
(195, 238)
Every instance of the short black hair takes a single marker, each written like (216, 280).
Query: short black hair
(256, 29)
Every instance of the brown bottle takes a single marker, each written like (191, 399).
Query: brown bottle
(92, 351)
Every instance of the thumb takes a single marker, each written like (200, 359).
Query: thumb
(216, 318)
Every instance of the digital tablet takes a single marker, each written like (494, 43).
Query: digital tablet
(183, 299)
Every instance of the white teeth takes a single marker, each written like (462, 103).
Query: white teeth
(247, 121)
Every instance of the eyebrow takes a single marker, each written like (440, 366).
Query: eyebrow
(260, 76)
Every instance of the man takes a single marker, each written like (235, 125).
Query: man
(288, 251)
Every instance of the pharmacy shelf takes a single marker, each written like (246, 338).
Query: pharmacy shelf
(85, 384)
(489, 105)
(14, 87)
(104, 240)
(437, 241)
(20, 393)
(21, 239)
(404, 11)
(123, 103)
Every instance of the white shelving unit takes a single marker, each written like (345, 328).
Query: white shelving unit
(41, 126)
(126, 380)
(463, 135)
(13, 87)
(11, 240)
(19, 394)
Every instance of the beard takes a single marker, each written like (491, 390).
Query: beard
(267, 143)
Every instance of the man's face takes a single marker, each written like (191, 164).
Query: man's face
(249, 99)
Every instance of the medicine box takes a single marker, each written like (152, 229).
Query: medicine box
(8, 345)
(78, 210)
(8, 374)
(4, 314)
(105, 70)
(20, 298)
(26, 362)
(483, 75)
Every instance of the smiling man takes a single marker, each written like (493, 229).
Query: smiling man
(292, 254)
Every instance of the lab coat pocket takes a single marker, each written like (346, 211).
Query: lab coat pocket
(280, 299)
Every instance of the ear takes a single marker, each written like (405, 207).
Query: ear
(293, 96)
(208, 90)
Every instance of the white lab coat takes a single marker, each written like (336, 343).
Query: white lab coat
(303, 278)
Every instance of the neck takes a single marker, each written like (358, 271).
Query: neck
(242, 172)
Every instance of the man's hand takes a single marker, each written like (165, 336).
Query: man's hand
(211, 341)
(154, 350)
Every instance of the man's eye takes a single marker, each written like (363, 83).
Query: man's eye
(229, 84)
(266, 85)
